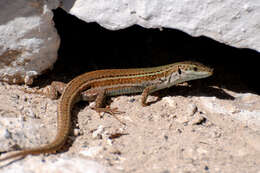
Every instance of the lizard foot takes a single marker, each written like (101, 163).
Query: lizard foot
(111, 111)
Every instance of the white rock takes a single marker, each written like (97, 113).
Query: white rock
(97, 134)
(4, 136)
(233, 22)
(197, 119)
(91, 152)
(245, 107)
(17, 131)
(64, 165)
(182, 119)
(28, 39)
(191, 109)
(201, 150)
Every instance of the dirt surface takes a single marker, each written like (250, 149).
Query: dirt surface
(175, 133)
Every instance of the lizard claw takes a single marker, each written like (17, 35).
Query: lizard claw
(111, 111)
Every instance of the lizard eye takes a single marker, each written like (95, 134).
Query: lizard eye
(179, 71)
(195, 69)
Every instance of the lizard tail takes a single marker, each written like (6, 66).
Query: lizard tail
(50, 148)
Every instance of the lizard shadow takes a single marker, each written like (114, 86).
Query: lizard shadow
(196, 89)
(186, 91)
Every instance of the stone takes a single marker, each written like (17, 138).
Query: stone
(245, 107)
(64, 164)
(28, 40)
(233, 22)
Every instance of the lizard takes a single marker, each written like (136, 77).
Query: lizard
(96, 85)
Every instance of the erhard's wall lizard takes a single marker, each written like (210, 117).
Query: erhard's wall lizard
(96, 85)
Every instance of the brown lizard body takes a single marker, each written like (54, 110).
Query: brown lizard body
(96, 85)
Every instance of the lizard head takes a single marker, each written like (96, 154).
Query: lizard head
(188, 70)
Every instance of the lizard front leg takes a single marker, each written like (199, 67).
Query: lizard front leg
(145, 94)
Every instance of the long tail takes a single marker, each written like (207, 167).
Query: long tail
(49, 148)
(69, 97)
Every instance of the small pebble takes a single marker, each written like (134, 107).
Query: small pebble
(21, 108)
(215, 134)
(201, 151)
(91, 152)
(30, 113)
(97, 134)
(15, 96)
(191, 109)
(179, 130)
(198, 119)
(76, 132)
(28, 79)
(166, 137)
(132, 100)
(5, 134)
(182, 119)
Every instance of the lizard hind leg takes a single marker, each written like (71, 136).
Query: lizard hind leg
(51, 91)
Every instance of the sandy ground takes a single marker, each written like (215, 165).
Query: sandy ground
(175, 133)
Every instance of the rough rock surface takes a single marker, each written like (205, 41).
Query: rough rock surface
(63, 164)
(187, 130)
(233, 22)
(28, 40)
